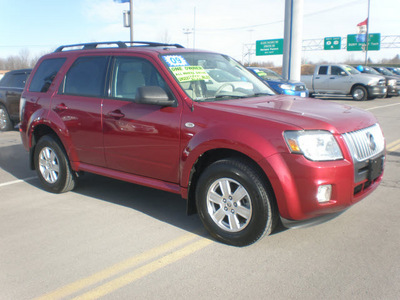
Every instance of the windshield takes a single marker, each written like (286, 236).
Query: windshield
(210, 77)
(351, 70)
(267, 74)
(385, 71)
(371, 71)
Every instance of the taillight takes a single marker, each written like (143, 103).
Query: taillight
(22, 102)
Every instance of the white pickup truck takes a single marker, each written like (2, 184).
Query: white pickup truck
(344, 80)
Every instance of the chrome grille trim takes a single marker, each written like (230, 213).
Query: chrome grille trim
(382, 82)
(365, 143)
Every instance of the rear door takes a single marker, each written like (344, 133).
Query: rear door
(140, 139)
(322, 80)
(78, 105)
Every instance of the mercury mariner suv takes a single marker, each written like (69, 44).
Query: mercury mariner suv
(198, 124)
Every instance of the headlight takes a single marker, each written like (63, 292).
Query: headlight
(392, 82)
(317, 145)
(285, 86)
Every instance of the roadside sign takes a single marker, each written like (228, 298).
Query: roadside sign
(332, 43)
(269, 47)
(374, 42)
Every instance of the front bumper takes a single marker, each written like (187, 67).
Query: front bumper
(377, 91)
(393, 90)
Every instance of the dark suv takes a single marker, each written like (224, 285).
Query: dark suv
(198, 124)
(11, 87)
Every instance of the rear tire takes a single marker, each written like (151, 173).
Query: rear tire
(52, 165)
(5, 122)
(234, 202)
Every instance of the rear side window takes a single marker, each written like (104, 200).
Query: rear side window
(323, 70)
(86, 77)
(45, 74)
(15, 80)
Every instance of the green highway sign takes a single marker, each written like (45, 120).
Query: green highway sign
(374, 42)
(332, 43)
(269, 47)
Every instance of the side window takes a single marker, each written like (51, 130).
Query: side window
(17, 80)
(45, 74)
(5, 80)
(86, 77)
(323, 70)
(335, 70)
(131, 73)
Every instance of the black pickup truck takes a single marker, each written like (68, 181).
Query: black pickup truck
(11, 87)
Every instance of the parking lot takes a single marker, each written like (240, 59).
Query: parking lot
(117, 240)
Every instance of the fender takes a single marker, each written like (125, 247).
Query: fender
(234, 138)
(53, 121)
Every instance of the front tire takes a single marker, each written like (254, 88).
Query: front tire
(5, 122)
(52, 165)
(359, 93)
(234, 202)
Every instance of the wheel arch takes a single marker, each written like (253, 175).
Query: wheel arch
(211, 156)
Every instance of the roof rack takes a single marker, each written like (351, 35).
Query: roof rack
(118, 44)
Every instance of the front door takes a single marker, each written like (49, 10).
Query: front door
(140, 139)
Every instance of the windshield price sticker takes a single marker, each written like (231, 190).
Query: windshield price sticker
(175, 61)
(261, 73)
(190, 73)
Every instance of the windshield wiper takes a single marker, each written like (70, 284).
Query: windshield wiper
(261, 94)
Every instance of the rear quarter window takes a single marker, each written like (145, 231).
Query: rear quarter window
(45, 74)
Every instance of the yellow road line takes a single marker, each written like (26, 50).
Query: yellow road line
(117, 268)
(393, 146)
(143, 271)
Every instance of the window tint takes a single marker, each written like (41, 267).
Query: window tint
(18, 80)
(5, 80)
(336, 70)
(86, 77)
(131, 73)
(45, 74)
(323, 70)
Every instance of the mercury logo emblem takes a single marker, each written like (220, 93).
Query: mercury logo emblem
(371, 141)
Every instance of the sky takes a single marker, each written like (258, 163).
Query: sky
(229, 27)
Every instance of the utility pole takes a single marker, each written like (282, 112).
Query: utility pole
(291, 65)
(131, 18)
(367, 37)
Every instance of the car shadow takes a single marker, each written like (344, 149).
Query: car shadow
(166, 207)
(14, 160)
(163, 206)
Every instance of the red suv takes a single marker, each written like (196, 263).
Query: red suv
(198, 124)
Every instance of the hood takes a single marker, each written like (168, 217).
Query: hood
(370, 76)
(301, 113)
(282, 81)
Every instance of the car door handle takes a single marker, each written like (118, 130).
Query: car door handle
(332, 78)
(116, 114)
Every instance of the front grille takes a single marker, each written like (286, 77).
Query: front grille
(365, 143)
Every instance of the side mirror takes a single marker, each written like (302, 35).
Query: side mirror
(153, 95)
(343, 73)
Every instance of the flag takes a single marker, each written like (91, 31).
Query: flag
(362, 31)
(121, 1)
